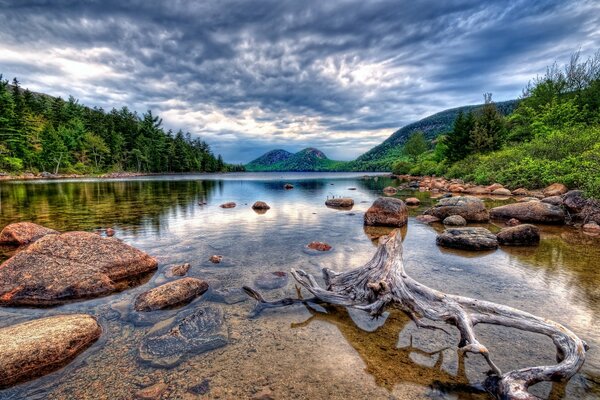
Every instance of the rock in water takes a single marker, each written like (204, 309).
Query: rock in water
(69, 266)
(178, 270)
(170, 294)
(192, 331)
(519, 235)
(21, 233)
(468, 239)
(288, 186)
(470, 208)
(260, 205)
(215, 258)
(230, 204)
(412, 201)
(389, 190)
(271, 280)
(320, 246)
(454, 220)
(530, 211)
(575, 201)
(35, 348)
(502, 192)
(387, 211)
(340, 202)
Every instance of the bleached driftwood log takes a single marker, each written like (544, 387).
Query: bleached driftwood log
(383, 282)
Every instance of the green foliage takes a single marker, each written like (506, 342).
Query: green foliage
(415, 145)
(43, 133)
(401, 167)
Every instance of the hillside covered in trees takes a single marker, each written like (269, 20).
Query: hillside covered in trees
(43, 133)
(309, 159)
(553, 135)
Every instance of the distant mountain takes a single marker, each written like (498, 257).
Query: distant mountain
(309, 159)
(381, 157)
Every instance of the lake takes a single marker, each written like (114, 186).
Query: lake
(299, 352)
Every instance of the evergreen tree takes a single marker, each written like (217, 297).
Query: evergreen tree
(457, 142)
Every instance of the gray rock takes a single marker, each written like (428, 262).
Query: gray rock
(520, 235)
(455, 220)
(470, 208)
(192, 332)
(531, 211)
(468, 239)
(554, 200)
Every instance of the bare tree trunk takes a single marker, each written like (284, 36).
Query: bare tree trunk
(383, 282)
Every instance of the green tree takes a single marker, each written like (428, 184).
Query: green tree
(415, 145)
(489, 131)
(458, 142)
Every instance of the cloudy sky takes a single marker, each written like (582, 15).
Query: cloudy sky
(250, 76)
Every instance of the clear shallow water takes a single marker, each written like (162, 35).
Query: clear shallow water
(298, 353)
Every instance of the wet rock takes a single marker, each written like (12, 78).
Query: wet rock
(470, 208)
(110, 232)
(554, 200)
(215, 259)
(170, 294)
(192, 331)
(35, 348)
(531, 211)
(288, 186)
(427, 219)
(228, 296)
(574, 201)
(591, 227)
(340, 202)
(468, 239)
(455, 220)
(151, 392)
(351, 188)
(387, 211)
(502, 192)
(271, 280)
(520, 192)
(21, 233)
(69, 266)
(178, 270)
(320, 246)
(513, 222)
(520, 235)
(260, 205)
(389, 190)
(556, 189)
(230, 204)
(412, 201)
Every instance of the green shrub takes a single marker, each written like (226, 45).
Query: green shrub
(401, 168)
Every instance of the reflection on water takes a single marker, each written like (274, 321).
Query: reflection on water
(297, 352)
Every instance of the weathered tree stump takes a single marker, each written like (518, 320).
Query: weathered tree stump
(383, 282)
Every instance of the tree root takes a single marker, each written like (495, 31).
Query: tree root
(382, 282)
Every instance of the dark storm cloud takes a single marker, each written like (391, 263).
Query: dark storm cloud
(249, 76)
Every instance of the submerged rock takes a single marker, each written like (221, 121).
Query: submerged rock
(192, 331)
(387, 211)
(340, 202)
(271, 280)
(468, 239)
(21, 233)
(288, 186)
(520, 235)
(69, 266)
(178, 270)
(260, 205)
(229, 204)
(170, 294)
(320, 246)
(455, 220)
(35, 348)
(530, 211)
(427, 219)
(470, 208)
(215, 259)
(389, 190)
(152, 392)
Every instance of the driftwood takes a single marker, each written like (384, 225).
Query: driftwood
(383, 282)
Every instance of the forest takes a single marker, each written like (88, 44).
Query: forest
(553, 135)
(40, 133)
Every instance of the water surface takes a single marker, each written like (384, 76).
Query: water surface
(300, 353)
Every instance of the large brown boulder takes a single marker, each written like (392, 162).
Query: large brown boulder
(530, 211)
(170, 294)
(260, 205)
(519, 235)
(35, 348)
(70, 266)
(477, 190)
(556, 189)
(470, 208)
(468, 239)
(387, 211)
(21, 233)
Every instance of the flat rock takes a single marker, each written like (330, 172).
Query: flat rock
(229, 204)
(271, 280)
(35, 348)
(387, 211)
(340, 202)
(455, 220)
(427, 219)
(530, 211)
(520, 235)
(170, 294)
(468, 239)
(21, 233)
(470, 208)
(192, 331)
(477, 190)
(70, 266)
